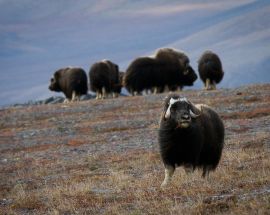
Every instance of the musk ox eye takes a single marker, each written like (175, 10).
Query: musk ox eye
(173, 108)
(52, 79)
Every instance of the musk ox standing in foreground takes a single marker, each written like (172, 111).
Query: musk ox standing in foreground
(190, 135)
(71, 81)
(104, 79)
(210, 70)
(168, 68)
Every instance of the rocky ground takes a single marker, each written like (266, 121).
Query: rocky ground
(101, 157)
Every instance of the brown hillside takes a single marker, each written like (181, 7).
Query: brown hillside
(101, 157)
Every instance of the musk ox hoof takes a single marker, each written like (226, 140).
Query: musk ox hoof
(164, 185)
(188, 169)
(211, 87)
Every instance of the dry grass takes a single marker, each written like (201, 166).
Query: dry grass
(258, 112)
(106, 168)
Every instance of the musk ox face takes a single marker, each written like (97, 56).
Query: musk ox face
(189, 76)
(180, 112)
(54, 85)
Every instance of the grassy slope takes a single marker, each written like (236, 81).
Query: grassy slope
(102, 157)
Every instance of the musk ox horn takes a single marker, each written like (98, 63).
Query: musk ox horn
(171, 102)
(193, 115)
(167, 113)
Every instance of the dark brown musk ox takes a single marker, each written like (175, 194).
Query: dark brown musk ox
(104, 79)
(189, 135)
(71, 81)
(210, 70)
(168, 68)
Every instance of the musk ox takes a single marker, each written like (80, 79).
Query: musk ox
(71, 81)
(189, 135)
(104, 79)
(210, 70)
(168, 68)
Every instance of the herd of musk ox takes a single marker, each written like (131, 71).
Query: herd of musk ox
(189, 135)
(168, 70)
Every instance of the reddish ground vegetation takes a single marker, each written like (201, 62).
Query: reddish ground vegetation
(101, 157)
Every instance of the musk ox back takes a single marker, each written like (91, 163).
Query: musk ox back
(71, 81)
(104, 79)
(140, 74)
(169, 68)
(210, 69)
(169, 54)
(189, 136)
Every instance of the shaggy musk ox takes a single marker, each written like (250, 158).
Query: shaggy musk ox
(71, 81)
(104, 79)
(168, 68)
(189, 135)
(210, 70)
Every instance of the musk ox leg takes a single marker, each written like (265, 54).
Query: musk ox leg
(169, 170)
(131, 92)
(214, 85)
(75, 97)
(97, 95)
(207, 84)
(166, 89)
(155, 90)
(115, 95)
(148, 92)
(109, 95)
(188, 168)
(145, 92)
(104, 93)
(66, 100)
(205, 172)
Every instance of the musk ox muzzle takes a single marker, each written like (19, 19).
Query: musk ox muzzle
(51, 84)
(54, 85)
(189, 76)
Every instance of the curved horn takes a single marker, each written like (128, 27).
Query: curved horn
(167, 113)
(171, 102)
(193, 115)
